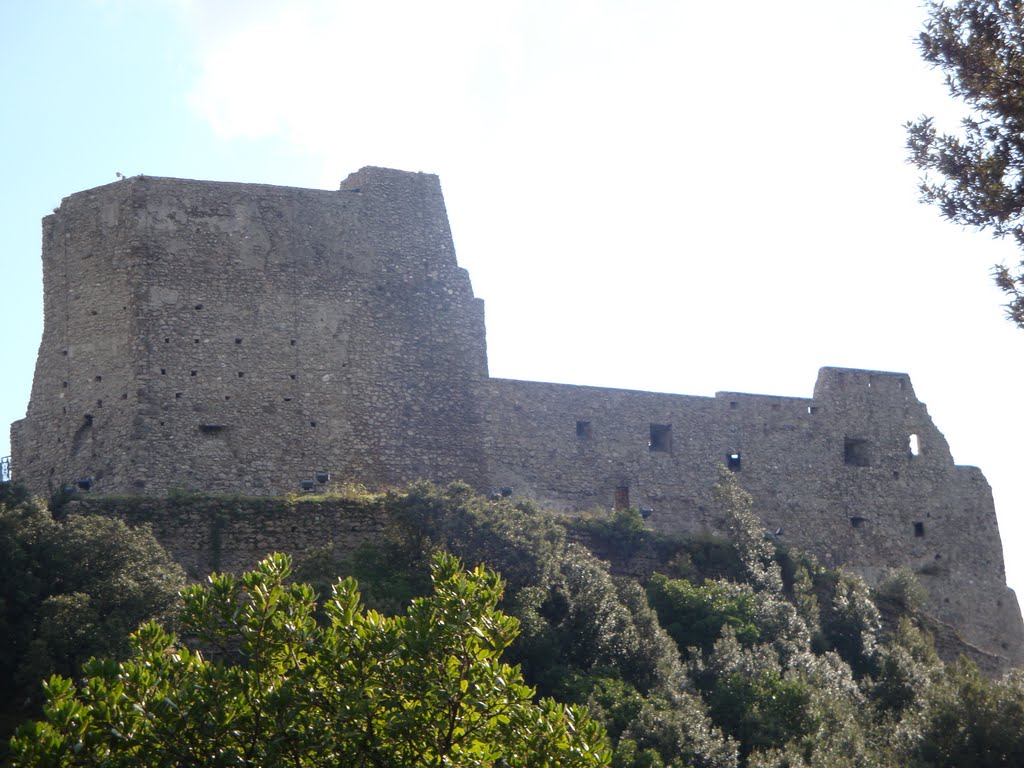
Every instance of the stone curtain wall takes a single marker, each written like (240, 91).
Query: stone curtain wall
(207, 533)
(836, 472)
(238, 337)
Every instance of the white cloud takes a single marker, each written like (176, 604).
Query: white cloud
(652, 194)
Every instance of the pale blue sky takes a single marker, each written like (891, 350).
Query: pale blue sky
(646, 194)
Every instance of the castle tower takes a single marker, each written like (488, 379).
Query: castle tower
(242, 337)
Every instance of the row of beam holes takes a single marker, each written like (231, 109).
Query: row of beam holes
(241, 374)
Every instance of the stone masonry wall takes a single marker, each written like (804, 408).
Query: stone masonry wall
(241, 338)
(208, 533)
(858, 474)
(225, 337)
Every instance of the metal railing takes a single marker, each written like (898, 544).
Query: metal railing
(5, 469)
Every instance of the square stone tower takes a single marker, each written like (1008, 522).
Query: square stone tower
(242, 337)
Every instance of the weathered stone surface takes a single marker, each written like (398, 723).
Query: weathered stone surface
(239, 338)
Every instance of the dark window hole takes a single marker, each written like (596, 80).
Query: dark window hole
(622, 497)
(199, 306)
(733, 460)
(583, 430)
(856, 452)
(919, 530)
(163, 371)
(857, 522)
(192, 373)
(238, 341)
(241, 374)
(661, 438)
(99, 378)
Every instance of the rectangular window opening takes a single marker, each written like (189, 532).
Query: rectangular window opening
(733, 460)
(583, 430)
(661, 438)
(857, 522)
(914, 443)
(919, 530)
(622, 497)
(856, 452)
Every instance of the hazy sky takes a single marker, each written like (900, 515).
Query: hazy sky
(675, 196)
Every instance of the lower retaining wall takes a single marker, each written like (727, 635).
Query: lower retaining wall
(205, 534)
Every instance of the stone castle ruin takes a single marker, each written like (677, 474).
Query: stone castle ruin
(253, 339)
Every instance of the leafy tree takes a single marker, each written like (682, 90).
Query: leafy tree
(971, 721)
(695, 616)
(747, 533)
(73, 588)
(976, 176)
(908, 666)
(423, 689)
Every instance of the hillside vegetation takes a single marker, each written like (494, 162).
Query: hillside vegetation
(736, 652)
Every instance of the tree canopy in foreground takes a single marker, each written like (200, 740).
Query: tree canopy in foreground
(976, 176)
(280, 689)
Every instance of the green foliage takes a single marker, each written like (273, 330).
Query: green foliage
(695, 616)
(975, 176)
(762, 710)
(73, 588)
(786, 663)
(972, 722)
(747, 533)
(850, 621)
(901, 588)
(426, 688)
(907, 668)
